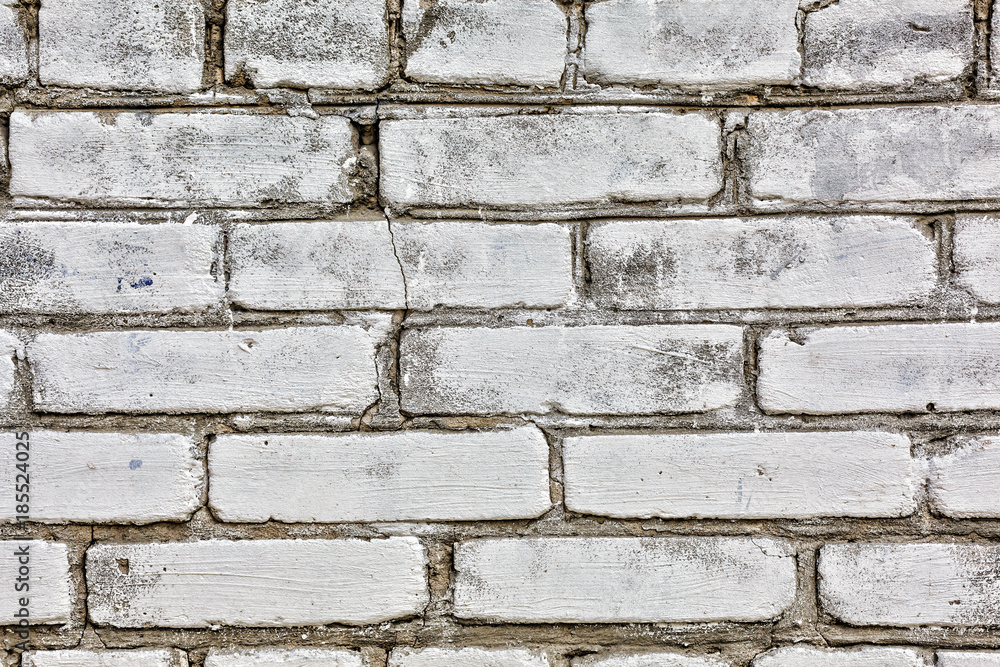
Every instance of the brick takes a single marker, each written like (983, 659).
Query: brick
(404, 476)
(957, 479)
(493, 42)
(802, 656)
(898, 154)
(593, 580)
(647, 660)
(10, 348)
(13, 45)
(49, 581)
(967, 659)
(910, 584)
(512, 161)
(576, 370)
(208, 158)
(976, 255)
(90, 477)
(439, 657)
(308, 43)
(262, 583)
(77, 658)
(315, 265)
(82, 267)
(698, 44)
(157, 46)
(864, 44)
(780, 262)
(741, 475)
(330, 369)
(890, 368)
(272, 657)
(482, 265)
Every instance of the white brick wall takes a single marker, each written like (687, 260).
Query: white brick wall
(802, 656)
(49, 592)
(648, 660)
(82, 658)
(283, 657)
(976, 255)
(958, 479)
(967, 659)
(436, 657)
(10, 348)
(13, 44)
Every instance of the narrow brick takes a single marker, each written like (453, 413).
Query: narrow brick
(577, 370)
(958, 478)
(315, 265)
(741, 475)
(168, 657)
(330, 369)
(13, 44)
(492, 42)
(786, 262)
(273, 657)
(463, 657)
(910, 584)
(967, 659)
(49, 585)
(404, 476)
(255, 583)
(804, 656)
(976, 255)
(890, 368)
(82, 267)
(647, 660)
(10, 348)
(517, 161)
(697, 44)
(593, 580)
(206, 158)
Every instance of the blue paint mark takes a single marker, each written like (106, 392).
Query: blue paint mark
(119, 285)
(134, 464)
(145, 281)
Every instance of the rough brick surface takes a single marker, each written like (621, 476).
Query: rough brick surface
(83, 658)
(434, 657)
(283, 658)
(967, 659)
(10, 348)
(49, 586)
(976, 255)
(13, 44)
(647, 660)
(958, 479)
(802, 656)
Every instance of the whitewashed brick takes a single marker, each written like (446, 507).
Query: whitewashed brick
(874, 155)
(108, 477)
(271, 657)
(209, 158)
(310, 43)
(315, 265)
(858, 44)
(550, 159)
(59, 267)
(485, 42)
(597, 580)
(485, 265)
(803, 656)
(439, 657)
(263, 583)
(683, 43)
(647, 660)
(404, 476)
(13, 44)
(910, 584)
(49, 585)
(10, 348)
(976, 255)
(787, 262)
(957, 479)
(331, 369)
(741, 475)
(577, 370)
(967, 659)
(890, 368)
(130, 44)
(168, 657)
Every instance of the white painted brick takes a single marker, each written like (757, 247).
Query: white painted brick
(577, 370)
(10, 348)
(803, 656)
(130, 44)
(108, 477)
(13, 44)
(910, 584)
(683, 43)
(890, 368)
(958, 479)
(485, 265)
(438, 657)
(741, 475)
(209, 158)
(330, 369)
(623, 580)
(168, 657)
(967, 659)
(874, 155)
(787, 262)
(271, 657)
(976, 255)
(404, 476)
(485, 42)
(305, 44)
(263, 583)
(49, 585)
(315, 265)
(74, 267)
(858, 44)
(647, 660)
(550, 159)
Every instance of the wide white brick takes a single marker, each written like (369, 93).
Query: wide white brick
(167, 657)
(330, 369)
(271, 657)
(858, 44)
(967, 659)
(331, 44)
(58, 267)
(788, 262)
(741, 475)
(484, 265)
(131, 44)
(890, 368)
(647, 660)
(623, 580)
(874, 155)
(264, 583)
(439, 657)
(486, 42)
(910, 584)
(957, 479)
(108, 477)
(10, 347)
(578, 370)
(976, 255)
(49, 585)
(404, 476)
(803, 656)
(207, 158)
(557, 159)
(684, 43)
(315, 265)
(13, 44)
